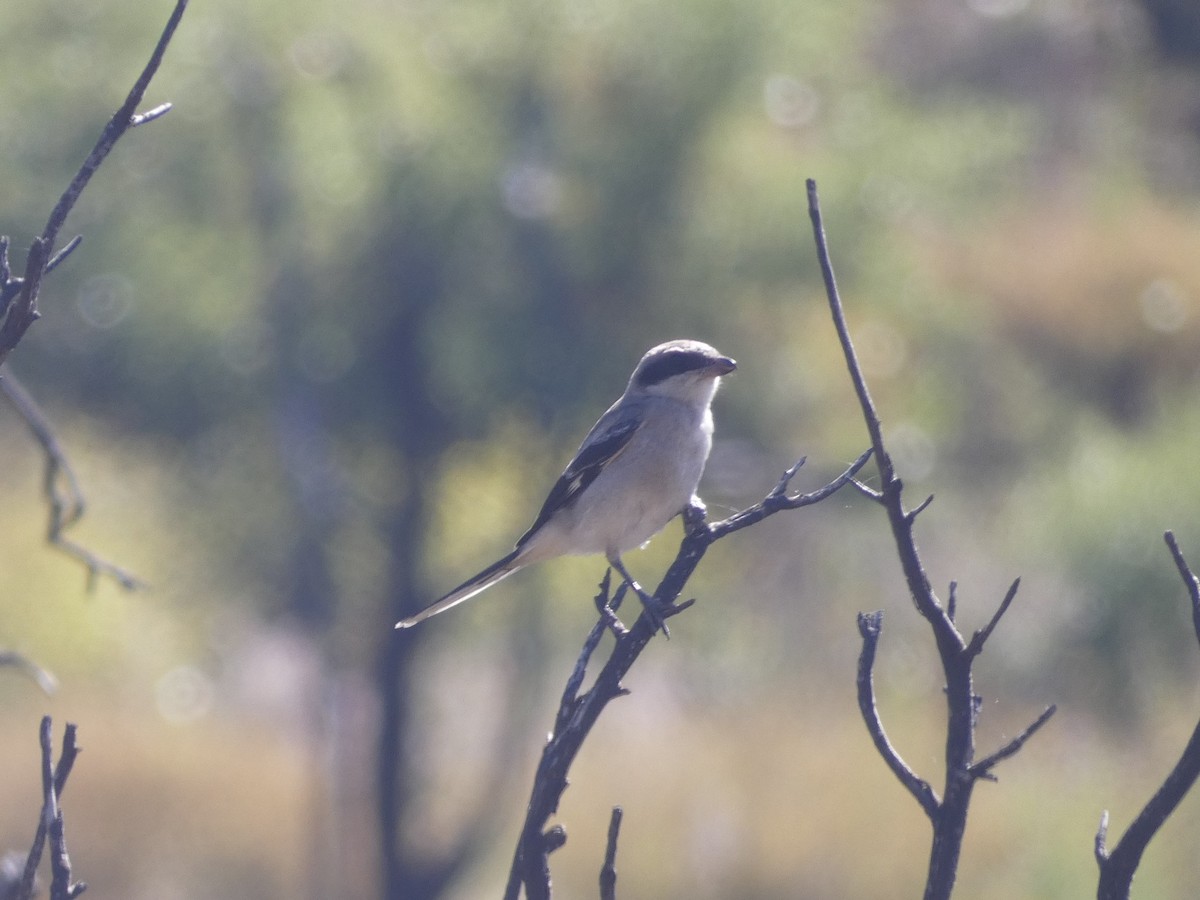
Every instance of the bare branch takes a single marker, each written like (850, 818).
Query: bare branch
(149, 115)
(608, 873)
(1190, 581)
(60, 488)
(983, 768)
(44, 679)
(869, 492)
(979, 638)
(912, 514)
(23, 311)
(781, 488)
(50, 823)
(777, 500)
(1118, 867)
(870, 626)
(62, 254)
(62, 883)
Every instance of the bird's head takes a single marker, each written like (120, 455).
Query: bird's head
(684, 370)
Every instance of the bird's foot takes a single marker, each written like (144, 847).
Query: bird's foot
(656, 611)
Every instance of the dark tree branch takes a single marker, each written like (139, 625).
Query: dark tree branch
(870, 626)
(949, 816)
(979, 638)
(912, 514)
(23, 310)
(19, 310)
(779, 499)
(983, 768)
(890, 493)
(1118, 867)
(1190, 581)
(869, 492)
(60, 488)
(44, 679)
(608, 873)
(577, 712)
(50, 825)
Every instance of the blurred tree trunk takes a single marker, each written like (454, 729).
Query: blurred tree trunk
(1175, 27)
(405, 266)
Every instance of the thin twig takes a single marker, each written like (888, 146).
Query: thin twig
(778, 500)
(43, 678)
(608, 873)
(1118, 867)
(912, 514)
(62, 254)
(869, 492)
(50, 822)
(60, 488)
(1190, 581)
(870, 626)
(979, 638)
(983, 768)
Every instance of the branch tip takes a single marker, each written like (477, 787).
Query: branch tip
(608, 873)
(979, 638)
(149, 115)
(1190, 581)
(64, 253)
(982, 769)
(870, 625)
(912, 514)
(869, 492)
(781, 488)
(1101, 846)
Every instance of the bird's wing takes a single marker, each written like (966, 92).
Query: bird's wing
(606, 441)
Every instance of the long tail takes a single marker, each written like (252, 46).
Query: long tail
(497, 571)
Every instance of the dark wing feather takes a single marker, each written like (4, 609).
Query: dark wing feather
(589, 462)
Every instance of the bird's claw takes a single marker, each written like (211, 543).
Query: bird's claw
(656, 611)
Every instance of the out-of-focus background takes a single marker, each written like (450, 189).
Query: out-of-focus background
(340, 318)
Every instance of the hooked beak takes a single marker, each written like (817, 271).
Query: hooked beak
(723, 365)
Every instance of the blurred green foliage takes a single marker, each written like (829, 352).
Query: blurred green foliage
(395, 256)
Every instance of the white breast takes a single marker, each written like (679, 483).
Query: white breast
(645, 486)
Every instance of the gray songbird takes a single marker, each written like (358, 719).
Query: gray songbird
(636, 470)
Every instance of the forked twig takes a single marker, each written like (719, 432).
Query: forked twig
(1117, 867)
(23, 310)
(50, 823)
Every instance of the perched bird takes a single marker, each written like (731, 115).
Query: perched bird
(635, 471)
